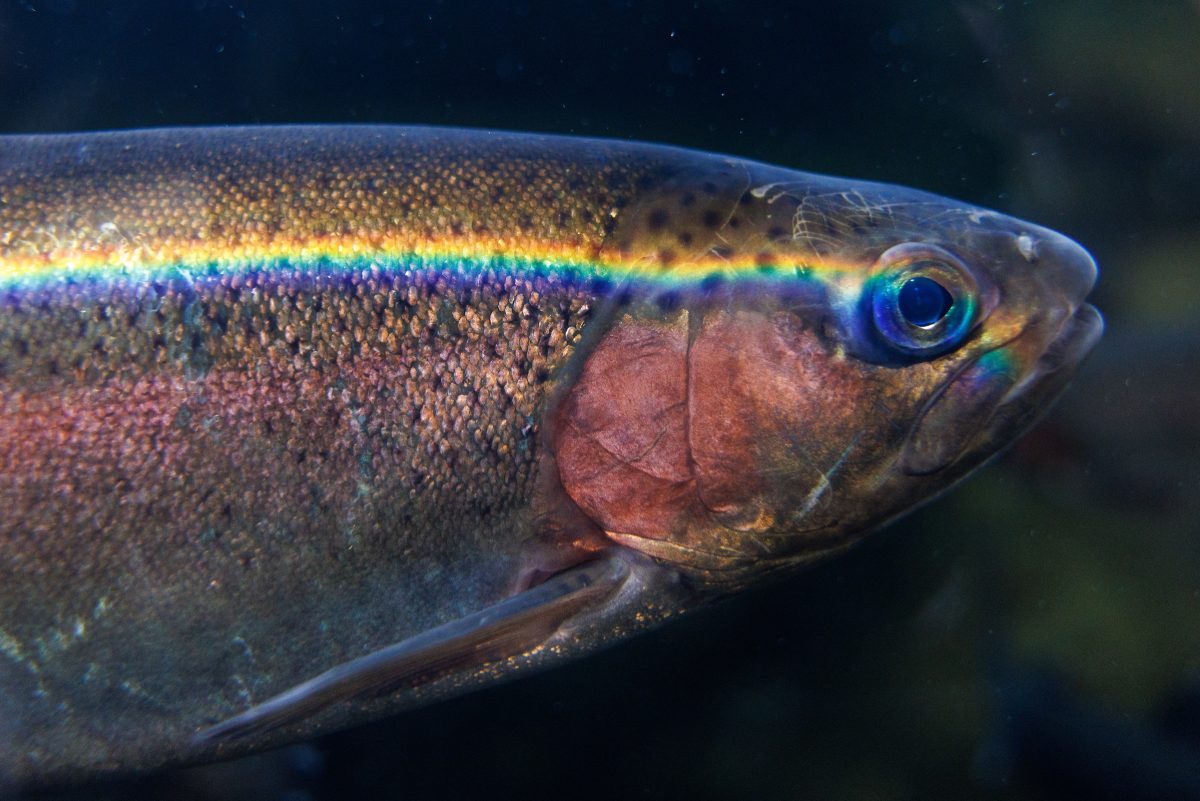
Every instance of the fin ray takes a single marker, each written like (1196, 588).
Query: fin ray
(510, 627)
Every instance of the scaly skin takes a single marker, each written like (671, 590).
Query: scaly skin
(271, 399)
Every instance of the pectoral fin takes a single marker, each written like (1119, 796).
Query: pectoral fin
(513, 626)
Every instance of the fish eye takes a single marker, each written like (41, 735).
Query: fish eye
(923, 299)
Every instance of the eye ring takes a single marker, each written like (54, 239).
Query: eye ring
(924, 300)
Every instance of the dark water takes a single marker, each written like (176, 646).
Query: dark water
(1035, 634)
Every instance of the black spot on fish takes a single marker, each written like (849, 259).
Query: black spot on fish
(734, 222)
(711, 282)
(668, 301)
(666, 256)
(657, 219)
(709, 188)
(685, 238)
(776, 232)
(723, 251)
(688, 199)
(711, 219)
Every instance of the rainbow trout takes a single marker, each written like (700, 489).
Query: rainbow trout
(302, 426)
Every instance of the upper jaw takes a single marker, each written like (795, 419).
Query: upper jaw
(1019, 366)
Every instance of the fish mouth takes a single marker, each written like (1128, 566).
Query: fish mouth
(1066, 351)
(983, 406)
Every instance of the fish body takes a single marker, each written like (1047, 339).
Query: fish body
(275, 399)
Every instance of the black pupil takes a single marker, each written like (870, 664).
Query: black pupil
(924, 301)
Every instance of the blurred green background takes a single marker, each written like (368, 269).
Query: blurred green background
(1032, 635)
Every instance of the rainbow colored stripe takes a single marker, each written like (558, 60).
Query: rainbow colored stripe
(999, 363)
(133, 263)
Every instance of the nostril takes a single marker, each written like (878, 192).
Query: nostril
(1027, 247)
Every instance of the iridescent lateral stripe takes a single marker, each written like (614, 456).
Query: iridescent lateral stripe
(999, 362)
(129, 266)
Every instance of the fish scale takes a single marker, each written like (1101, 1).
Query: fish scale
(300, 426)
(260, 413)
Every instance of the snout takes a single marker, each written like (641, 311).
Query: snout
(1066, 271)
(1069, 326)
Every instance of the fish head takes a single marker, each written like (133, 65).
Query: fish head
(829, 354)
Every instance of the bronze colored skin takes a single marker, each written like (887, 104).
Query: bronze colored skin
(426, 371)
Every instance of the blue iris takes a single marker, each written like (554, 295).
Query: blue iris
(923, 301)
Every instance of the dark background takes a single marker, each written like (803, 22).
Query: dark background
(1033, 635)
